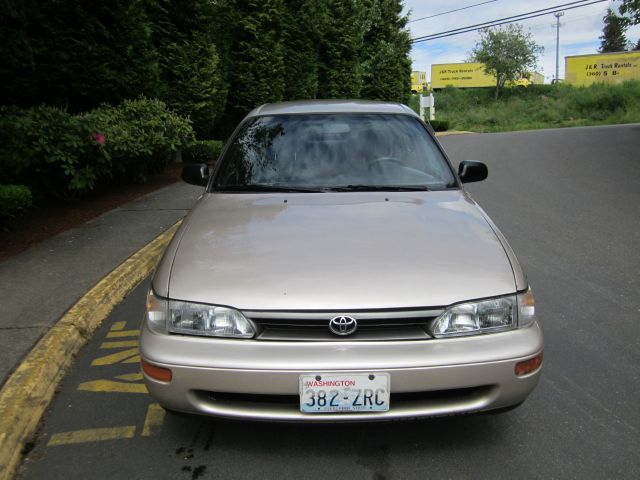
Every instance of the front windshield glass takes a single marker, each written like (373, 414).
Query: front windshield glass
(333, 152)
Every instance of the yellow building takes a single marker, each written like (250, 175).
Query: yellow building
(418, 81)
(613, 68)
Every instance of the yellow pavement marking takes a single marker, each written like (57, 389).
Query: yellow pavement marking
(111, 386)
(153, 420)
(131, 377)
(117, 326)
(123, 356)
(28, 391)
(121, 344)
(124, 333)
(91, 435)
(134, 359)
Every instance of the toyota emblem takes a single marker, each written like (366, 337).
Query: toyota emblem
(343, 325)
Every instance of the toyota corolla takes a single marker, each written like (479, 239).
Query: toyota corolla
(336, 269)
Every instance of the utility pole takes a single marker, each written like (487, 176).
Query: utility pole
(557, 25)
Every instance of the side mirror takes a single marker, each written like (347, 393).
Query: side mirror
(472, 171)
(196, 174)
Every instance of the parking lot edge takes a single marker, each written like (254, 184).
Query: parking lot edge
(28, 391)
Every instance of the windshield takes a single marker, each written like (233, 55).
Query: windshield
(333, 152)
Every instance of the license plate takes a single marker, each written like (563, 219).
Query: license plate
(357, 392)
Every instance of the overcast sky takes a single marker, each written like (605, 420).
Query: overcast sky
(578, 35)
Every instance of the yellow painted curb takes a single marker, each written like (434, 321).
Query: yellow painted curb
(453, 132)
(29, 390)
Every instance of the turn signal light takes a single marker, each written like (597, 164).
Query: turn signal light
(528, 366)
(157, 373)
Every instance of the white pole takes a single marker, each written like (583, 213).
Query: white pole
(557, 15)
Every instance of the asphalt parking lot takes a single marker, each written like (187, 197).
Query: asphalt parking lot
(567, 200)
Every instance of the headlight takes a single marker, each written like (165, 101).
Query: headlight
(196, 319)
(486, 316)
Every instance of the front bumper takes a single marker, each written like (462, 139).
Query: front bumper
(259, 379)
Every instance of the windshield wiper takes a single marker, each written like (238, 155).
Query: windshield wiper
(380, 188)
(266, 187)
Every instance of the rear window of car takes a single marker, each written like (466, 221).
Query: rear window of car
(327, 151)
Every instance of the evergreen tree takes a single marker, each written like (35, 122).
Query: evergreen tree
(386, 65)
(253, 52)
(631, 11)
(339, 69)
(612, 39)
(76, 53)
(192, 78)
(301, 35)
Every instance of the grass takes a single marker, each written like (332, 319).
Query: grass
(538, 106)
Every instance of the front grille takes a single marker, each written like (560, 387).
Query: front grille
(314, 326)
(293, 401)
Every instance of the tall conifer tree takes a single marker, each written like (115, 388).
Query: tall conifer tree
(386, 65)
(192, 78)
(613, 38)
(339, 70)
(254, 55)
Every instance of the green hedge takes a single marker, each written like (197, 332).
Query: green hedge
(58, 154)
(440, 125)
(203, 151)
(49, 150)
(141, 136)
(14, 199)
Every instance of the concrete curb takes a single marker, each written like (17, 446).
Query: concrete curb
(453, 132)
(28, 391)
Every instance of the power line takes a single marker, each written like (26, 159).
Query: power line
(505, 20)
(569, 21)
(511, 19)
(451, 11)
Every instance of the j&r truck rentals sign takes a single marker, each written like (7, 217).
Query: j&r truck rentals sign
(460, 75)
(602, 68)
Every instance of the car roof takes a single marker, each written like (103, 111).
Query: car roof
(331, 106)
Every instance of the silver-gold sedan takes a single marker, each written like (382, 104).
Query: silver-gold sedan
(335, 269)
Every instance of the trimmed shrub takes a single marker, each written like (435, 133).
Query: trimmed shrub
(14, 199)
(58, 154)
(49, 150)
(202, 151)
(141, 136)
(440, 125)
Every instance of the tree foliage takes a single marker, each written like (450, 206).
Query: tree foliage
(76, 53)
(507, 53)
(612, 38)
(631, 11)
(251, 45)
(340, 69)
(301, 34)
(386, 66)
(212, 61)
(190, 69)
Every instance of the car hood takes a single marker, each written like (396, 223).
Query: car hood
(337, 251)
